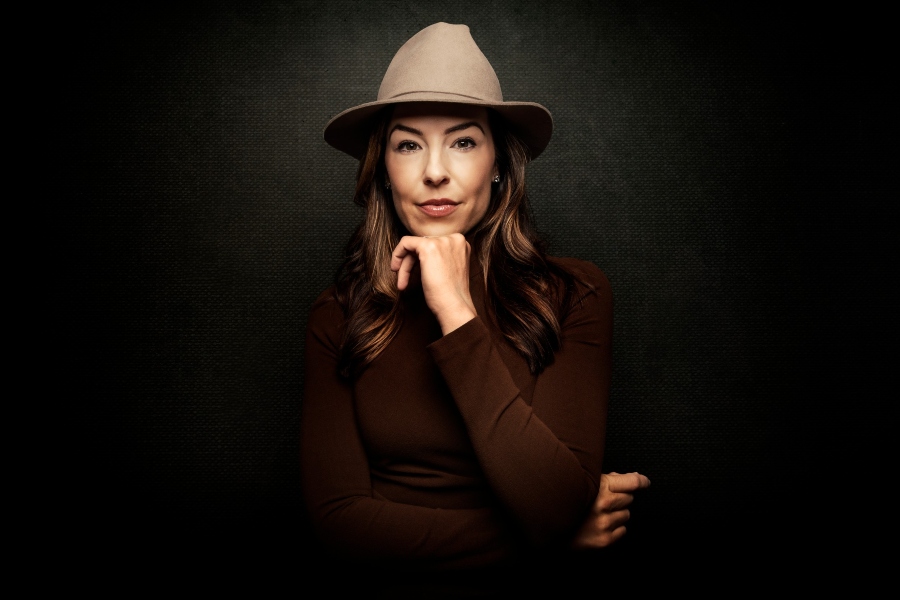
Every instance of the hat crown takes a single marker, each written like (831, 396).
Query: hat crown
(441, 63)
(441, 58)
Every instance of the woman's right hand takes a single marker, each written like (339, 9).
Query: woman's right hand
(605, 524)
(444, 269)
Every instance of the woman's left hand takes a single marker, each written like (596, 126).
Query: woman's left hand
(605, 524)
(444, 268)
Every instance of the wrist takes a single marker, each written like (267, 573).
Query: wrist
(453, 320)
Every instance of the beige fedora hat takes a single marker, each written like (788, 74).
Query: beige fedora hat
(441, 63)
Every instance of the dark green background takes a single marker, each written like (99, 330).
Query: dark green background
(724, 163)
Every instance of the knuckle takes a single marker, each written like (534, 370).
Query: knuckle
(604, 521)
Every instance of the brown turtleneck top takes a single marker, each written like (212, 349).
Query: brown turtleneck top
(447, 452)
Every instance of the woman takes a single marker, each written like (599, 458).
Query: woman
(456, 376)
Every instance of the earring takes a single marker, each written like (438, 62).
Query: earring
(496, 179)
(387, 185)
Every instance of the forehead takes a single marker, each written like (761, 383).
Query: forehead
(439, 112)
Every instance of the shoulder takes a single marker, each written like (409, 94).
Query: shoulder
(589, 279)
(327, 297)
(325, 314)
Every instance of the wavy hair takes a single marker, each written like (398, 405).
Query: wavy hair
(526, 293)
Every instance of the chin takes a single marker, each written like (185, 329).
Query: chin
(435, 229)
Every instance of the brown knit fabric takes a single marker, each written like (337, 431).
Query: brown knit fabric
(446, 452)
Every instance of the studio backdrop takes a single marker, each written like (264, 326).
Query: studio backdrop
(710, 160)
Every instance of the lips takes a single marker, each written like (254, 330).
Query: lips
(438, 207)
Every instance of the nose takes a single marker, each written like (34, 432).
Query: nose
(435, 170)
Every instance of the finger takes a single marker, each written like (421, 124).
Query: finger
(407, 245)
(616, 535)
(404, 271)
(404, 258)
(627, 482)
(602, 538)
(612, 502)
(612, 520)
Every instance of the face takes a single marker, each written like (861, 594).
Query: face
(440, 163)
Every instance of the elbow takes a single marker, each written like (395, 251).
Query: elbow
(559, 520)
(333, 526)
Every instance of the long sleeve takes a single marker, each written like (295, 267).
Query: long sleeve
(542, 458)
(447, 452)
(352, 519)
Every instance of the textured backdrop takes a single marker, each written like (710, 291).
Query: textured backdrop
(723, 166)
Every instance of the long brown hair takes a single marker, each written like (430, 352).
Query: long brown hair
(526, 292)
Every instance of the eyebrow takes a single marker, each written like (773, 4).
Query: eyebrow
(459, 127)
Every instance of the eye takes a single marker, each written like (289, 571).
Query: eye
(464, 144)
(407, 146)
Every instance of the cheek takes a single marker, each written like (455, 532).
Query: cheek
(484, 202)
(399, 206)
(399, 173)
(483, 185)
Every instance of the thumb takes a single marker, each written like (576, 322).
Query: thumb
(627, 482)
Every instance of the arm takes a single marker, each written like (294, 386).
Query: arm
(542, 459)
(345, 513)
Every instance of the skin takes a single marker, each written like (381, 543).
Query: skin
(605, 524)
(439, 151)
(446, 151)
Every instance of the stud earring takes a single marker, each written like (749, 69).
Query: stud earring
(387, 185)
(496, 179)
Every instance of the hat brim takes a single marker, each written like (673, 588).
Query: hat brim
(530, 122)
